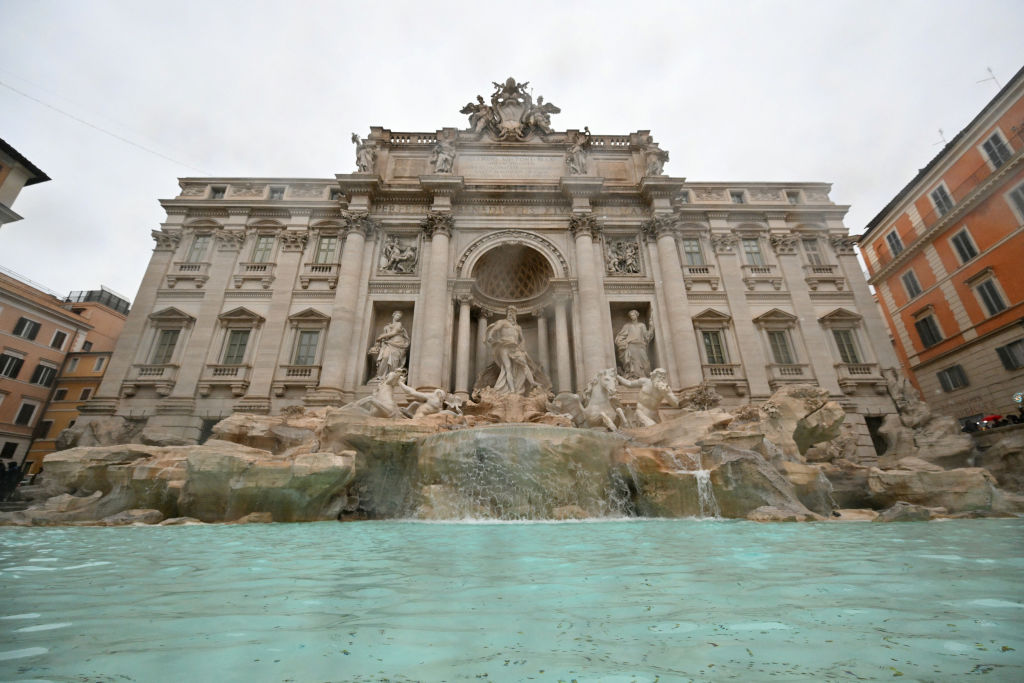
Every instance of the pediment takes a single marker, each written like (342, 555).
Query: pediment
(266, 224)
(841, 315)
(241, 315)
(710, 315)
(171, 315)
(309, 315)
(776, 316)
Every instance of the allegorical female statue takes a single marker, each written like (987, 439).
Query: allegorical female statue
(631, 342)
(391, 346)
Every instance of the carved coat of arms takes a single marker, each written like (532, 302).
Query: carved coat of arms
(512, 113)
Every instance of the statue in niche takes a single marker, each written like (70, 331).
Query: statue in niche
(391, 347)
(655, 158)
(598, 407)
(539, 115)
(505, 339)
(631, 343)
(653, 391)
(576, 156)
(443, 154)
(366, 154)
(624, 257)
(396, 257)
(382, 402)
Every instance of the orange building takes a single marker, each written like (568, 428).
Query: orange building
(946, 257)
(38, 331)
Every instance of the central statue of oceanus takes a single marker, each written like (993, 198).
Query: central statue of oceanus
(512, 371)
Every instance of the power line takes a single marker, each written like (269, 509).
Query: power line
(103, 130)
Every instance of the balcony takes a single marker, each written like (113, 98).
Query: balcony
(787, 373)
(322, 272)
(160, 377)
(712, 371)
(758, 275)
(236, 377)
(261, 272)
(814, 276)
(853, 375)
(305, 376)
(703, 275)
(197, 272)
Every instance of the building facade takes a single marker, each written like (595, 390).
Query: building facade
(945, 257)
(81, 371)
(16, 172)
(268, 292)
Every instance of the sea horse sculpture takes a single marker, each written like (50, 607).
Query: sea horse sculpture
(598, 407)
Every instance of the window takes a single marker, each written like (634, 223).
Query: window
(9, 449)
(86, 393)
(26, 329)
(911, 284)
(1012, 355)
(60, 395)
(990, 296)
(714, 349)
(793, 196)
(98, 365)
(217, 192)
(997, 150)
(198, 249)
(165, 343)
(894, 242)
(277, 193)
(87, 346)
(305, 347)
(261, 250)
(964, 246)
(43, 375)
(326, 249)
(1017, 200)
(234, 350)
(58, 340)
(928, 331)
(847, 346)
(25, 414)
(736, 197)
(752, 250)
(73, 365)
(952, 378)
(43, 430)
(335, 195)
(691, 250)
(943, 202)
(782, 350)
(10, 364)
(813, 251)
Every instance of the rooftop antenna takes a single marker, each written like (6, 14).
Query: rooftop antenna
(991, 77)
(942, 137)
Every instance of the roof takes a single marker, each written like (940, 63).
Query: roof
(874, 222)
(37, 174)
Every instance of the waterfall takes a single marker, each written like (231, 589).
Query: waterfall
(705, 492)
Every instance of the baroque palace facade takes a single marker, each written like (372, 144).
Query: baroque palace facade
(264, 293)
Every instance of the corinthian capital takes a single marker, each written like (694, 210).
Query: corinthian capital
(359, 221)
(166, 240)
(584, 222)
(437, 222)
(659, 225)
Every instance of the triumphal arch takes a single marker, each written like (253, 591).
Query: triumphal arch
(264, 293)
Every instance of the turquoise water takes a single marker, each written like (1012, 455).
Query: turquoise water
(637, 600)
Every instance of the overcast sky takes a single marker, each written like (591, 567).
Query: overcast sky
(850, 93)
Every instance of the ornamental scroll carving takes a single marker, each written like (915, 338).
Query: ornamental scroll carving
(709, 195)
(166, 240)
(843, 245)
(622, 257)
(307, 191)
(723, 244)
(437, 222)
(584, 222)
(783, 244)
(294, 240)
(229, 240)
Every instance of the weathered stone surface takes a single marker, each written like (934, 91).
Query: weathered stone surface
(854, 515)
(101, 431)
(769, 513)
(798, 416)
(811, 485)
(255, 518)
(134, 516)
(94, 468)
(686, 428)
(177, 521)
(906, 512)
(271, 433)
(849, 483)
(744, 481)
(156, 436)
(1005, 460)
(969, 488)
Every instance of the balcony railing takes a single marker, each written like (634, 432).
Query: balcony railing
(788, 372)
(327, 272)
(197, 272)
(295, 376)
(814, 275)
(263, 272)
(705, 273)
(722, 370)
(752, 275)
(159, 376)
(234, 376)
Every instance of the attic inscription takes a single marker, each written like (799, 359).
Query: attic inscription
(502, 167)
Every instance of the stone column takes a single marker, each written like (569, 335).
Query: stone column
(684, 343)
(482, 359)
(594, 340)
(338, 345)
(564, 382)
(544, 358)
(430, 374)
(462, 349)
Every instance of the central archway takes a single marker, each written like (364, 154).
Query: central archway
(513, 274)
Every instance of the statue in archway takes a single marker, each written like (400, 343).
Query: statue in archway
(631, 343)
(505, 339)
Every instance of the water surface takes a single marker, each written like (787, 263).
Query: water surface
(631, 600)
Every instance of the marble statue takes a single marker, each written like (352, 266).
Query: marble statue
(631, 343)
(655, 160)
(505, 339)
(598, 407)
(480, 114)
(391, 346)
(576, 156)
(432, 403)
(396, 257)
(653, 391)
(623, 257)
(443, 154)
(382, 402)
(366, 154)
(539, 115)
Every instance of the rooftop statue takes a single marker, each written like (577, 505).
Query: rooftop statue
(443, 154)
(512, 113)
(655, 160)
(576, 156)
(366, 154)
(653, 391)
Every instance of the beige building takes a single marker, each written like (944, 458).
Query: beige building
(268, 292)
(16, 172)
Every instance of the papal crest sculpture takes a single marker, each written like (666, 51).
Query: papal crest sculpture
(512, 113)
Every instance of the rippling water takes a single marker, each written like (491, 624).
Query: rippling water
(637, 600)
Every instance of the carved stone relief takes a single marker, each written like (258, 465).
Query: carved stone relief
(398, 255)
(308, 191)
(251, 190)
(622, 257)
(193, 191)
(511, 114)
(765, 195)
(710, 195)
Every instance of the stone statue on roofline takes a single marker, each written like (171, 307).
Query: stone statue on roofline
(576, 155)
(511, 114)
(443, 154)
(366, 154)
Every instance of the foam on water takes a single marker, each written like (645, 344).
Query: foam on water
(503, 601)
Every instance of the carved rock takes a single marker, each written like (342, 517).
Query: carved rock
(968, 488)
